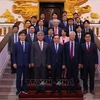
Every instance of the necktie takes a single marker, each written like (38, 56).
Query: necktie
(32, 37)
(65, 24)
(71, 28)
(79, 37)
(41, 29)
(71, 50)
(88, 47)
(55, 31)
(41, 46)
(50, 38)
(23, 46)
(15, 38)
(56, 47)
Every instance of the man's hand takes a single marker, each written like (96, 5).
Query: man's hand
(32, 64)
(96, 66)
(49, 66)
(15, 66)
(63, 67)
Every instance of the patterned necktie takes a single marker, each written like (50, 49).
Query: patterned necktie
(41, 46)
(55, 31)
(71, 28)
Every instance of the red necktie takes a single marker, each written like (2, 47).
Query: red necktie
(71, 50)
(88, 47)
(55, 32)
(41, 46)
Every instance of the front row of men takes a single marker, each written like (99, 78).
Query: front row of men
(55, 57)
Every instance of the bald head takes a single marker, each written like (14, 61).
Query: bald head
(72, 35)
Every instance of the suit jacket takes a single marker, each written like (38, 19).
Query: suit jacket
(77, 54)
(44, 30)
(91, 33)
(45, 23)
(59, 31)
(39, 57)
(89, 58)
(28, 38)
(11, 43)
(19, 57)
(74, 28)
(81, 40)
(62, 25)
(46, 39)
(54, 57)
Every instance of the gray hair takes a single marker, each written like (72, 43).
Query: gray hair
(40, 32)
(72, 32)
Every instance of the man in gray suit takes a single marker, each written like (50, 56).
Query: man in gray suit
(39, 53)
(13, 38)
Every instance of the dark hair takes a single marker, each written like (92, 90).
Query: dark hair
(56, 35)
(75, 13)
(64, 30)
(77, 18)
(50, 28)
(87, 33)
(86, 21)
(27, 21)
(41, 14)
(78, 26)
(70, 19)
(54, 13)
(21, 32)
(15, 26)
(34, 17)
(31, 26)
(64, 12)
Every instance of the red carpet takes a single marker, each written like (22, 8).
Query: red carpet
(32, 96)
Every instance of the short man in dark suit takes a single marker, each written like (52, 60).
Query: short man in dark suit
(41, 27)
(39, 55)
(27, 24)
(90, 62)
(13, 39)
(73, 62)
(30, 38)
(70, 26)
(56, 63)
(57, 29)
(87, 28)
(21, 61)
(49, 37)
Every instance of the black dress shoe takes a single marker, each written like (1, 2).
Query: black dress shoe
(25, 92)
(68, 91)
(37, 91)
(75, 91)
(59, 91)
(43, 91)
(18, 93)
(52, 91)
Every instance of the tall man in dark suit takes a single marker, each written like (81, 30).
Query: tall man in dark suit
(87, 28)
(27, 24)
(13, 39)
(39, 53)
(56, 62)
(49, 37)
(30, 38)
(41, 27)
(73, 62)
(21, 61)
(90, 62)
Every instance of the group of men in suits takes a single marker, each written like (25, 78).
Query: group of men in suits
(37, 49)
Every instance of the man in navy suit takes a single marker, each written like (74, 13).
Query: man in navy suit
(56, 63)
(21, 61)
(41, 27)
(73, 62)
(87, 28)
(90, 62)
(71, 26)
(34, 21)
(49, 37)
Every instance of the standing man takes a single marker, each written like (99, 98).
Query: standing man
(30, 38)
(12, 39)
(73, 60)
(90, 62)
(39, 52)
(21, 61)
(56, 62)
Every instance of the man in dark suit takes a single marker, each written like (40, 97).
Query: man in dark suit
(73, 62)
(49, 37)
(21, 61)
(39, 54)
(80, 39)
(71, 26)
(42, 16)
(56, 63)
(34, 21)
(90, 62)
(87, 28)
(57, 29)
(27, 24)
(41, 27)
(63, 23)
(13, 39)
(30, 38)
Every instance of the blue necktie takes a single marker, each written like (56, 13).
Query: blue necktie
(15, 38)
(56, 48)
(23, 46)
